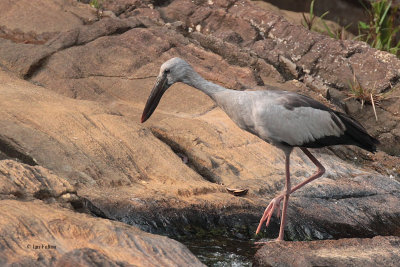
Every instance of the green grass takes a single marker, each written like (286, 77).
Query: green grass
(97, 4)
(309, 21)
(380, 31)
(336, 34)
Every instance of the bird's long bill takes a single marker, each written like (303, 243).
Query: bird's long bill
(158, 90)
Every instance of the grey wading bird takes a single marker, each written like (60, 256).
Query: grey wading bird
(283, 119)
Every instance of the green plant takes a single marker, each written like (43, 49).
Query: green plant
(97, 4)
(380, 31)
(308, 22)
(336, 34)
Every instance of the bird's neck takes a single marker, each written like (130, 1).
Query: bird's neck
(207, 87)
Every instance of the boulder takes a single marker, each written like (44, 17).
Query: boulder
(44, 16)
(377, 251)
(22, 181)
(34, 233)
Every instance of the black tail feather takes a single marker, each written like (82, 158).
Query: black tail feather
(358, 134)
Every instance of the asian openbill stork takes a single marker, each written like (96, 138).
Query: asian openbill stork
(281, 118)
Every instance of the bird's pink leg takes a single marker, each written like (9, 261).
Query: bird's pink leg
(275, 203)
(285, 199)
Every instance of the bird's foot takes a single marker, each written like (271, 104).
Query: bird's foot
(269, 211)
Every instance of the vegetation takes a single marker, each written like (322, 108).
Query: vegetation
(357, 91)
(97, 4)
(336, 34)
(380, 31)
(309, 21)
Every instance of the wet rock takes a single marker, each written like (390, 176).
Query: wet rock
(378, 251)
(34, 233)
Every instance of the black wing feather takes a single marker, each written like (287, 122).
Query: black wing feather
(355, 133)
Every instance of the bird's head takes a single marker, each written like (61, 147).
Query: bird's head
(172, 71)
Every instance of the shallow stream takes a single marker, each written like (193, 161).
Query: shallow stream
(220, 251)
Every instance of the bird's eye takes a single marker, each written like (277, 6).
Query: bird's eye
(166, 71)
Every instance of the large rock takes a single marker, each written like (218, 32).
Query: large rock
(37, 234)
(26, 59)
(43, 15)
(50, 234)
(82, 140)
(378, 251)
(21, 181)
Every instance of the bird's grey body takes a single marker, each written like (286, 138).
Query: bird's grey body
(264, 114)
(287, 119)
(281, 118)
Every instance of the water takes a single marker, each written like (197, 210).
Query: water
(220, 251)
